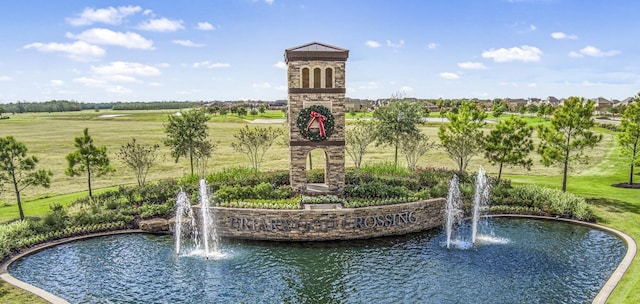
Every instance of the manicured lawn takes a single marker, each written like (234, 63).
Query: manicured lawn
(49, 136)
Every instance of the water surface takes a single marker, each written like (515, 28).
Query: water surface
(526, 261)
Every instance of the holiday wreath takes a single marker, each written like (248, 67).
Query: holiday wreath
(319, 114)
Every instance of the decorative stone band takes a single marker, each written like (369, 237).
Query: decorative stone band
(329, 224)
(317, 90)
(325, 143)
(315, 56)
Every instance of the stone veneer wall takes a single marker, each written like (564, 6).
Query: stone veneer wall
(329, 224)
(332, 146)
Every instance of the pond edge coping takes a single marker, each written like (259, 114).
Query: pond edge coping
(45, 295)
(601, 297)
(618, 273)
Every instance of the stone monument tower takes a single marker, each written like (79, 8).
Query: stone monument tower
(316, 83)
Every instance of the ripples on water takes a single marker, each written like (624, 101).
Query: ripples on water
(524, 261)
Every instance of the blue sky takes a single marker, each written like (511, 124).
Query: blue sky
(105, 51)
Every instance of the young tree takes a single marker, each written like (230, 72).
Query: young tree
(18, 169)
(88, 158)
(630, 134)
(242, 111)
(357, 138)
(413, 147)
(498, 108)
(139, 158)
(568, 135)
(462, 138)
(397, 119)
(254, 142)
(510, 143)
(187, 135)
(202, 156)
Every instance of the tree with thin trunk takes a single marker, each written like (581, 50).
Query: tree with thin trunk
(397, 119)
(139, 158)
(187, 135)
(254, 142)
(462, 138)
(19, 170)
(629, 136)
(413, 147)
(498, 108)
(358, 137)
(510, 143)
(569, 135)
(88, 159)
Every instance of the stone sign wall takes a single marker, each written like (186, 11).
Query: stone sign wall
(329, 224)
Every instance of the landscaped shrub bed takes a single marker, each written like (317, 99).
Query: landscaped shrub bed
(247, 188)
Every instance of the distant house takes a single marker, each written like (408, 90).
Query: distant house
(625, 102)
(357, 105)
(278, 104)
(515, 104)
(602, 104)
(552, 101)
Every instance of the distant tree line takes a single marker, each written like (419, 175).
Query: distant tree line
(71, 105)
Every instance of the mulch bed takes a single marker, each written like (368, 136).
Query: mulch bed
(626, 185)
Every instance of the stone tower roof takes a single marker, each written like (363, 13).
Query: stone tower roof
(316, 51)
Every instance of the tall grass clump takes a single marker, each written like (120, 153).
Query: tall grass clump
(552, 201)
(9, 233)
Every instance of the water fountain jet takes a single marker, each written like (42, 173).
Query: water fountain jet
(481, 202)
(453, 210)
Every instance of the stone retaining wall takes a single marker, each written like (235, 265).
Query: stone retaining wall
(329, 224)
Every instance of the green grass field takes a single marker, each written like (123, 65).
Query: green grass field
(49, 136)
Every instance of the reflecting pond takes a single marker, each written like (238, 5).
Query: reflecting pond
(523, 261)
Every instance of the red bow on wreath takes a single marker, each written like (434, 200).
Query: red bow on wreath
(320, 118)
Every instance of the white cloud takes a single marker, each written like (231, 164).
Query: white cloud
(280, 65)
(525, 53)
(109, 15)
(205, 26)
(188, 43)
(163, 65)
(5, 78)
(406, 89)
(281, 88)
(472, 65)
(90, 82)
(395, 45)
(561, 35)
(118, 89)
(268, 2)
(210, 65)
(532, 85)
(161, 25)
(79, 50)
(533, 27)
(125, 68)
(264, 85)
(592, 51)
(372, 43)
(56, 82)
(108, 37)
(449, 75)
(432, 46)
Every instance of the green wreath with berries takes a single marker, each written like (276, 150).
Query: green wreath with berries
(316, 114)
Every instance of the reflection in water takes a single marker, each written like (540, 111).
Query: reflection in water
(524, 261)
